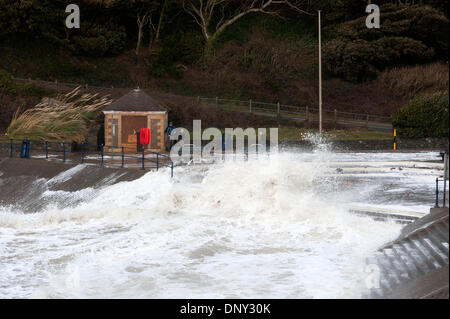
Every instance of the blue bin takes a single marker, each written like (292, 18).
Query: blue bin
(25, 149)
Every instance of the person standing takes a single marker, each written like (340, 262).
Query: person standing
(167, 132)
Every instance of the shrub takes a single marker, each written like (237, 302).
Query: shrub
(354, 61)
(101, 40)
(184, 48)
(29, 89)
(423, 116)
(408, 35)
(410, 81)
(10, 88)
(64, 118)
(361, 60)
(6, 82)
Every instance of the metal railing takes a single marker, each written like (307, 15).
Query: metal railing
(306, 112)
(249, 151)
(444, 199)
(88, 153)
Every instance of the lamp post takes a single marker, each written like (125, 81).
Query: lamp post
(320, 77)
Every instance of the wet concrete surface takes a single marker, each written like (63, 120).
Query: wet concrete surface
(23, 181)
(416, 264)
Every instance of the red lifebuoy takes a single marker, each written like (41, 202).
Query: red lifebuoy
(145, 136)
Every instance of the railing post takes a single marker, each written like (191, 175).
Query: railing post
(367, 120)
(335, 118)
(278, 108)
(123, 157)
(11, 147)
(143, 159)
(445, 191)
(395, 139)
(217, 101)
(307, 114)
(82, 153)
(157, 161)
(103, 155)
(250, 103)
(437, 193)
(46, 150)
(64, 152)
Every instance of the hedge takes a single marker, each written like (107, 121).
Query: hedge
(423, 116)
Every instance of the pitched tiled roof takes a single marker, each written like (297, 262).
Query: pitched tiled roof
(137, 100)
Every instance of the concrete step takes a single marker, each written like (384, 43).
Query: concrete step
(411, 266)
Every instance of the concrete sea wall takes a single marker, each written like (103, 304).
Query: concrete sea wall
(376, 145)
(24, 181)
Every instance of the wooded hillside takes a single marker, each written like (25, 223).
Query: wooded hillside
(265, 50)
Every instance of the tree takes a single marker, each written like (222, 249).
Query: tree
(40, 19)
(409, 35)
(214, 16)
(142, 20)
(143, 12)
(423, 116)
(160, 21)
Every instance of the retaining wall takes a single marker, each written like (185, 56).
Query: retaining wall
(376, 145)
(24, 181)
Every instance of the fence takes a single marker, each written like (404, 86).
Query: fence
(86, 153)
(444, 180)
(302, 112)
(307, 113)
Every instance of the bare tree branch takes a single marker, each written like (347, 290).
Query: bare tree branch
(141, 22)
(203, 11)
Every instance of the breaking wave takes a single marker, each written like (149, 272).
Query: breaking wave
(272, 227)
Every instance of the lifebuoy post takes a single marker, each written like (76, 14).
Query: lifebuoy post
(145, 136)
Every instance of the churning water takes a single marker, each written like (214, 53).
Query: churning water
(276, 227)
